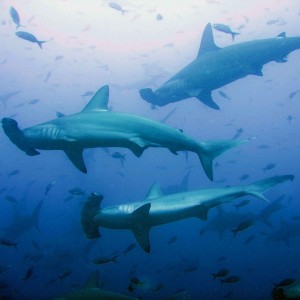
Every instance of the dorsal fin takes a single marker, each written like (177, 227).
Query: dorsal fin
(281, 35)
(93, 280)
(154, 192)
(99, 100)
(207, 42)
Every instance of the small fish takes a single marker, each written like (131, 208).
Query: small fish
(293, 94)
(4, 98)
(68, 198)
(8, 243)
(272, 22)
(224, 95)
(3, 268)
(242, 203)
(269, 166)
(136, 281)
(88, 93)
(104, 260)
(225, 29)
(33, 101)
(59, 57)
(290, 118)
(13, 173)
(29, 37)
(296, 218)
(285, 282)
(263, 146)
(76, 191)
(15, 17)
(49, 187)
(28, 274)
(244, 176)
(119, 156)
(131, 287)
(221, 259)
(238, 133)
(231, 279)
(159, 17)
(221, 273)
(129, 248)
(51, 281)
(48, 75)
(11, 199)
(249, 239)
(117, 6)
(65, 274)
(172, 240)
(242, 226)
(158, 287)
(59, 114)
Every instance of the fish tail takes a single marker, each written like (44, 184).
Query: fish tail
(208, 151)
(40, 43)
(233, 34)
(88, 212)
(257, 188)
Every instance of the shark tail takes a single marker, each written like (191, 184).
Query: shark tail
(209, 150)
(88, 212)
(257, 189)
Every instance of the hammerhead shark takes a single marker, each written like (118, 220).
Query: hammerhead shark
(157, 209)
(96, 126)
(92, 291)
(215, 67)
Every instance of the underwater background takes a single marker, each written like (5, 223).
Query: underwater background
(93, 43)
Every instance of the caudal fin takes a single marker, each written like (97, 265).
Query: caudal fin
(258, 188)
(209, 150)
(40, 43)
(88, 212)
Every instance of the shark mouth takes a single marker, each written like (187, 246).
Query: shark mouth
(16, 135)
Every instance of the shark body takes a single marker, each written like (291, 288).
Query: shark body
(96, 126)
(92, 291)
(157, 209)
(215, 67)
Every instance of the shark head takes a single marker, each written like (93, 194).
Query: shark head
(149, 96)
(16, 135)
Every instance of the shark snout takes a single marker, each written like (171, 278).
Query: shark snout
(148, 95)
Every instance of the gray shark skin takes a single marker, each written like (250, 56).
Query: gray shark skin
(24, 222)
(157, 209)
(95, 126)
(215, 67)
(92, 291)
(287, 292)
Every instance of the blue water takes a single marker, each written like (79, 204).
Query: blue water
(90, 44)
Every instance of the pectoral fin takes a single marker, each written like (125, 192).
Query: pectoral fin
(138, 146)
(75, 156)
(205, 98)
(202, 211)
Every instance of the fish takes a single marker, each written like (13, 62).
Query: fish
(224, 95)
(13, 173)
(8, 243)
(88, 93)
(48, 75)
(242, 203)
(117, 6)
(119, 156)
(172, 240)
(226, 29)
(28, 274)
(293, 94)
(220, 273)
(105, 259)
(92, 290)
(5, 97)
(250, 239)
(244, 176)
(65, 274)
(208, 72)
(11, 199)
(242, 226)
(231, 279)
(15, 16)
(76, 191)
(30, 38)
(96, 126)
(159, 17)
(158, 209)
(269, 167)
(49, 187)
(238, 133)
(33, 101)
(129, 248)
